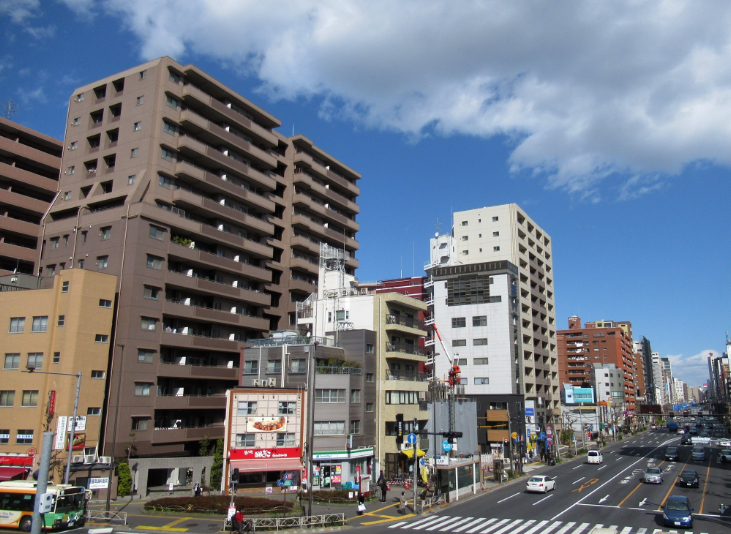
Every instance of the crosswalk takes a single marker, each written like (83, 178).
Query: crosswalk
(483, 525)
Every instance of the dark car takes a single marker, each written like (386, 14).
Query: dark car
(689, 478)
(677, 512)
(698, 453)
(686, 440)
(671, 453)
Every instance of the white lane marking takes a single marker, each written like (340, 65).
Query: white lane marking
(509, 527)
(506, 498)
(478, 527)
(618, 459)
(537, 527)
(581, 528)
(493, 527)
(577, 466)
(465, 520)
(603, 499)
(565, 528)
(582, 478)
(398, 524)
(443, 526)
(460, 529)
(543, 499)
(602, 467)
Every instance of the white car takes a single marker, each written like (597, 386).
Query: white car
(724, 443)
(595, 457)
(540, 484)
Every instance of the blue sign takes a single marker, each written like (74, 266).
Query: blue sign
(411, 439)
(446, 446)
(530, 412)
(422, 463)
(574, 438)
(280, 483)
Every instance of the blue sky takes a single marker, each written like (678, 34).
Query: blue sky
(608, 122)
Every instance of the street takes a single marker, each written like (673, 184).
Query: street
(610, 494)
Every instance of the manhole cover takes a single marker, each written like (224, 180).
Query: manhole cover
(191, 524)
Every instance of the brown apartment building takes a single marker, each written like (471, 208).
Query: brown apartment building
(601, 342)
(212, 221)
(29, 164)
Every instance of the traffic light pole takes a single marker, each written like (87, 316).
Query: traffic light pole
(416, 465)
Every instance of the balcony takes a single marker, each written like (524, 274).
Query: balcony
(178, 308)
(179, 339)
(179, 402)
(405, 324)
(14, 251)
(306, 243)
(303, 286)
(338, 370)
(404, 376)
(305, 265)
(304, 180)
(181, 370)
(330, 235)
(324, 173)
(192, 200)
(209, 259)
(208, 181)
(410, 349)
(16, 175)
(326, 213)
(10, 198)
(188, 281)
(175, 435)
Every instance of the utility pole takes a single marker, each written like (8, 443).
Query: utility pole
(416, 461)
(44, 467)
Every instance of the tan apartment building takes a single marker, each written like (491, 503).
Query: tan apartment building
(29, 165)
(64, 329)
(210, 218)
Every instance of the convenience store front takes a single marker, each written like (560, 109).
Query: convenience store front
(349, 469)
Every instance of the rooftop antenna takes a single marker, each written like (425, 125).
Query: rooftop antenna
(437, 226)
(10, 109)
(401, 275)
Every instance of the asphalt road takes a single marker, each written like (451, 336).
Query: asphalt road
(610, 494)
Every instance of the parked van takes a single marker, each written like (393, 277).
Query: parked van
(595, 457)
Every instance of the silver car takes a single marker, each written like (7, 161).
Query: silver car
(653, 475)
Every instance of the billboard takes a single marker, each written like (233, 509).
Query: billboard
(266, 424)
(651, 409)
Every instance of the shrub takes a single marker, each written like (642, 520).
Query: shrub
(124, 481)
(334, 495)
(582, 450)
(218, 504)
(217, 467)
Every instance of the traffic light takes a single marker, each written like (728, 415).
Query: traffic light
(234, 476)
(452, 436)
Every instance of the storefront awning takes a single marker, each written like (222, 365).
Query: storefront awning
(253, 466)
(12, 473)
(410, 453)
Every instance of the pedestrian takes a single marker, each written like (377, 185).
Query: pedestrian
(402, 503)
(381, 483)
(361, 503)
(531, 455)
(239, 519)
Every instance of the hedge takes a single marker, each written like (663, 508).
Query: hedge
(218, 504)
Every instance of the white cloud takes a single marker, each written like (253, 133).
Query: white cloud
(19, 10)
(39, 32)
(29, 96)
(587, 92)
(83, 8)
(693, 370)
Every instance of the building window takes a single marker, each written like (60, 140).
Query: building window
(145, 355)
(329, 428)
(140, 100)
(98, 375)
(369, 407)
(286, 439)
(101, 338)
(61, 320)
(17, 325)
(106, 232)
(7, 399)
(329, 396)
(148, 323)
(143, 74)
(169, 128)
(402, 397)
(245, 440)
(168, 155)
(154, 262)
(369, 348)
(142, 389)
(482, 381)
(355, 426)
(134, 153)
(137, 128)
(164, 181)
(51, 269)
(286, 408)
(299, 366)
(274, 366)
(67, 195)
(102, 262)
(251, 367)
(458, 322)
(80, 97)
(71, 169)
(246, 408)
(40, 324)
(83, 236)
(56, 357)
(157, 232)
(172, 102)
(479, 320)
(24, 437)
(355, 396)
(460, 361)
(131, 179)
(494, 219)
(464, 223)
(369, 377)
(465, 238)
(4, 436)
(93, 411)
(151, 292)
(479, 361)
(30, 399)
(12, 361)
(459, 342)
(496, 249)
(479, 341)
(465, 252)
(64, 287)
(175, 78)
(139, 423)
(104, 303)
(54, 243)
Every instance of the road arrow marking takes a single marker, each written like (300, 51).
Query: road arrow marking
(603, 499)
(643, 502)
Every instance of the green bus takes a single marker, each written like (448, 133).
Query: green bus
(17, 499)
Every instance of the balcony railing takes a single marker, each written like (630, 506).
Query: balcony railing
(339, 370)
(183, 303)
(278, 341)
(195, 364)
(407, 348)
(405, 321)
(408, 377)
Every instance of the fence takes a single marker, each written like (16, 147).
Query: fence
(279, 523)
(107, 517)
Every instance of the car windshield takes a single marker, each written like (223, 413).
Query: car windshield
(672, 450)
(536, 479)
(677, 505)
(593, 453)
(726, 451)
(689, 474)
(697, 449)
(653, 471)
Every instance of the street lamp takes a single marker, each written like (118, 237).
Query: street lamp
(114, 431)
(30, 368)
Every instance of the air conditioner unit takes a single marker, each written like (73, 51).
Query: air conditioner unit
(255, 382)
(79, 459)
(106, 460)
(89, 459)
(272, 383)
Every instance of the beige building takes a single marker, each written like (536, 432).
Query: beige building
(64, 329)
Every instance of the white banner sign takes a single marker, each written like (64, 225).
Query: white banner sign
(80, 423)
(60, 441)
(98, 483)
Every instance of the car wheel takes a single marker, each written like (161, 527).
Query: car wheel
(25, 524)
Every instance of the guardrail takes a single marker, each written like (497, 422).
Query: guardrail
(277, 523)
(109, 517)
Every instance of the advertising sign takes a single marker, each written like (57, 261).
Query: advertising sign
(60, 439)
(266, 424)
(265, 454)
(98, 483)
(79, 442)
(357, 473)
(51, 402)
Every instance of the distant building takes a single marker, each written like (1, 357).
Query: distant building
(29, 168)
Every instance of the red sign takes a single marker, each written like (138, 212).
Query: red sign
(51, 402)
(31, 452)
(357, 474)
(266, 454)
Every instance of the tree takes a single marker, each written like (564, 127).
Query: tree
(204, 447)
(217, 467)
(124, 484)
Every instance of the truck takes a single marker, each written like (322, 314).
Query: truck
(672, 426)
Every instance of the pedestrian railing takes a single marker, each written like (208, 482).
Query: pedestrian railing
(106, 516)
(281, 523)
